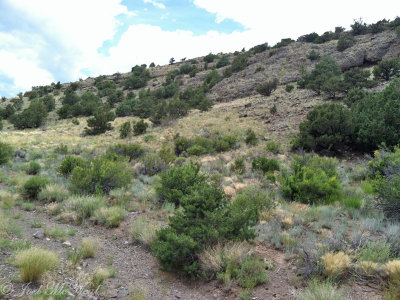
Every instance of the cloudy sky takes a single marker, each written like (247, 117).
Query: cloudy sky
(44, 41)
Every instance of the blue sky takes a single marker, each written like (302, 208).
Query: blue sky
(44, 41)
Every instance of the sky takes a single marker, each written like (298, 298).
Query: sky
(45, 41)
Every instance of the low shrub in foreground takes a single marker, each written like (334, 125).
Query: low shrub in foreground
(206, 218)
(34, 262)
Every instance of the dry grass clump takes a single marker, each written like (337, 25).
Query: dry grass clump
(53, 193)
(213, 259)
(144, 231)
(34, 262)
(335, 264)
(8, 199)
(98, 278)
(367, 267)
(89, 247)
(322, 291)
(84, 206)
(110, 216)
(392, 270)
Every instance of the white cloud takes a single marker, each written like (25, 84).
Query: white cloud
(61, 37)
(274, 20)
(155, 3)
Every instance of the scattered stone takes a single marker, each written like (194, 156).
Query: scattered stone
(67, 244)
(20, 154)
(38, 235)
(113, 294)
(122, 293)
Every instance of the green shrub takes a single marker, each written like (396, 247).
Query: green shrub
(100, 122)
(140, 127)
(359, 27)
(313, 180)
(125, 130)
(313, 55)
(132, 151)
(251, 138)
(354, 95)
(33, 168)
(357, 78)
(195, 227)
(197, 150)
(33, 187)
(322, 76)
(31, 117)
(265, 165)
(329, 127)
(273, 147)
(139, 78)
(6, 152)
(211, 79)
(99, 176)
(176, 182)
(34, 262)
(209, 58)
(378, 252)
(376, 118)
(239, 63)
(153, 164)
(267, 87)
(69, 163)
(387, 69)
(238, 166)
(186, 68)
(344, 42)
(251, 273)
(352, 201)
(222, 62)
(289, 88)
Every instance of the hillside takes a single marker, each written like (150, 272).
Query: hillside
(194, 182)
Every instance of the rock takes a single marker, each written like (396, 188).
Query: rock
(38, 234)
(20, 154)
(139, 168)
(67, 244)
(122, 293)
(113, 294)
(204, 133)
(247, 105)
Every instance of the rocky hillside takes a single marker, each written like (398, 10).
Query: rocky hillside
(287, 63)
